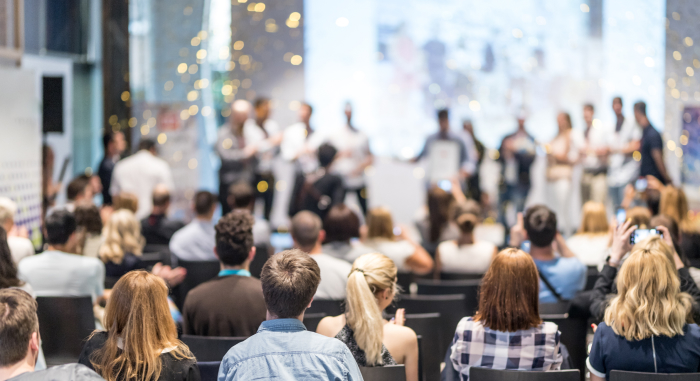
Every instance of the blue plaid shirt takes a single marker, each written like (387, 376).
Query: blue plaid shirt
(532, 349)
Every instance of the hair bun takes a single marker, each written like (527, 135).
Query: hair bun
(467, 222)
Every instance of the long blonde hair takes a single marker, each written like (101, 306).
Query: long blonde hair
(137, 314)
(594, 220)
(370, 274)
(121, 234)
(649, 301)
(674, 204)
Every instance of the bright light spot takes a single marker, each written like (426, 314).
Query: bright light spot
(671, 82)
(151, 122)
(259, 7)
(162, 138)
(679, 152)
(689, 70)
(193, 69)
(676, 16)
(244, 59)
(683, 140)
(474, 106)
(585, 8)
(342, 22)
(192, 95)
(238, 45)
(295, 16)
(407, 153)
(192, 164)
(494, 154)
(125, 96)
(226, 89)
(181, 68)
(418, 173)
(517, 33)
(132, 122)
(675, 93)
(227, 143)
(168, 85)
(145, 129)
(201, 54)
(206, 111)
(597, 123)
(671, 145)
(677, 55)
(193, 110)
(291, 23)
(688, 41)
(262, 186)
(434, 88)
(184, 114)
(649, 62)
(637, 156)
(195, 41)
(296, 59)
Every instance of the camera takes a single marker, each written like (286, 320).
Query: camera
(641, 234)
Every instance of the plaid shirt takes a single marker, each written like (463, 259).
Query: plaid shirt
(533, 349)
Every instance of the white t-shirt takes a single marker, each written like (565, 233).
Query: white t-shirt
(353, 149)
(54, 273)
(261, 231)
(623, 169)
(397, 251)
(598, 137)
(139, 174)
(20, 248)
(334, 277)
(254, 134)
(297, 147)
(590, 249)
(195, 241)
(466, 259)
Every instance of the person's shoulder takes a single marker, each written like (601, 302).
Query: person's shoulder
(693, 332)
(403, 333)
(468, 323)
(447, 245)
(61, 372)
(330, 325)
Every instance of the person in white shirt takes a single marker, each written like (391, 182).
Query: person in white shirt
(59, 271)
(308, 236)
(623, 143)
(594, 157)
(196, 241)
(592, 240)
(140, 174)
(20, 247)
(299, 142)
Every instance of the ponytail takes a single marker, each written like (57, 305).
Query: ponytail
(467, 222)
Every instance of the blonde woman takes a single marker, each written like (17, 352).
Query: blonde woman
(648, 325)
(591, 241)
(122, 244)
(372, 340)
(141, 341)
(408, 255)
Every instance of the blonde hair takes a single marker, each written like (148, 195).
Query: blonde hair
(370, 274)
(380, 224)
(138, 313)
(674, 204)
(594, 220)
(121, 234)
(649, 301)
(125, 200)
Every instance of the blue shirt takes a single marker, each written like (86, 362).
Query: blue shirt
(283, 349)
(195, 242)
(678, 354)
(566, 275)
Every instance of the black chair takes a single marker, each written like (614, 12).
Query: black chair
(328, 306)
(208, 370)
(459, 276)
(110, 281)
(262, 253)
(198, 272)
(384, 373)
(311, 320)
(149, 259)
(404, 280)
(210, 348)
(427, 327)
(64, 324)
(618, 375)
(573, 332)
(470, 289)
(591, 276)
(156, 249)
(486, 374)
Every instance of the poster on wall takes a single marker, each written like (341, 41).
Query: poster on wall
(690, 142)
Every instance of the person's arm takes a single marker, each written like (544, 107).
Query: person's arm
(517, 232)
(456, 191)
(420, 261)
(438, 265)
(630, 147)
(411, 361)
(658, 157)
(562, 248)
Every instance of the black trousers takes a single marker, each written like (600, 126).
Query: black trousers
(361, 197)
(268, 195)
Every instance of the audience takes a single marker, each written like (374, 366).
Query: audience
(308, 235)
(648, 325)
(341, 226)
(123, 244)
(195, 242)
(320, 190)
(157, 228)
(21, 343)
(59, 271)
(20, 247)
(406, 254)
(507, 332)
(372, 340)
(242, 196)
(465, 254)
(8, 269)
(563, 275)
(436, 226)
(231, 304)
(591, 241)
(140, 342)
(89, 229)
(282, 348)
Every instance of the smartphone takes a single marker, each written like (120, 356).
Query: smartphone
(641, 184)
(641, 234)
(445, 185)
(621, 216)
(281, 241)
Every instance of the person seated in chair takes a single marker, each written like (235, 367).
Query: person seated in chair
(195, 242)
(242, 196)
(157, 228)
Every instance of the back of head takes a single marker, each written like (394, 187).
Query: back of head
(241, 195)
(306, 227)
(59, 227)
(641, 108)
(594, 220)
(379, 223)
(467, 216)
(341, 224)
(121, 234)
(541, 225)
(19, 321)
(8, 269)
(234, 237)
(370, 274)
(326, 155)
(147, 144)
(639, 216)
(674, 204)
(137, 312)
(8, 209)
(439, 204)
(125, 200)
(77, 187)
(511, 284)
(87, 217)
(161, 196)
(289, 281)
(107, 138)
(443, 113)
(204, 203)
(649, 301)
(589, 106)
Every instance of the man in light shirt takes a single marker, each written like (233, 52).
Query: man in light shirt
(299, 142)
(196, 241)
(623, 143)
(140, 174)
(20, 247)
(595, 158)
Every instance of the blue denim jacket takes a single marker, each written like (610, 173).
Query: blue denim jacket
(283, 349)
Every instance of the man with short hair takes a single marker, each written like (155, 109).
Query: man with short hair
(78, 192)
(467, 161)
(282, 348)
(157, 228)
(308, 236)
(231, 304)
(624, 142)
(594, 185)
(516, 155)
(59, 271)
(139, 174)
(21, 344)
(20, 247)
(563, 275)
(652, 147)
(114, 145)
(242, 197)
(196, 241)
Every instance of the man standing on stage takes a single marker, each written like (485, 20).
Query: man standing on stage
(624, 141)
(595, 158)
(516, 155)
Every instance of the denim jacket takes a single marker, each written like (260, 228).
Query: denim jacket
(283, 349)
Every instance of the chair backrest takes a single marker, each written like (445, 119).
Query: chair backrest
(331, 307)
(208, 370)
(198, 272)
(206, 348)
(311, 320)
(153, 248)
(591, 277)
(460, 276)
(384, 373)
(618, 375)
(262, 253)
(64, 324)
(428, 327)
(150, 259)
(470, 289)
(573, 332)
(404, 280)
(486, 374)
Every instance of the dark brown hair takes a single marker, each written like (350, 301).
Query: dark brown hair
(439, 204)
(467, 216)
(289, 282)
(77, 186)
(8, 270)
(540, 225)
(509, 299)
(19, 321)
(88, 218)
(341, 224)
(203, 202)
(240, 195)
(234, 237)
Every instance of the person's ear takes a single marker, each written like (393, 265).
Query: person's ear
(35, 344)
(525, 236)
(251, 254)
(321, 236)
(311, 302)
(216, 253)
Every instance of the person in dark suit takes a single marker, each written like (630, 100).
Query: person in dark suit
(318, 191)
(157, 228)
(114, 145)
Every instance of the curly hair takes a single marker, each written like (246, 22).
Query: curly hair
(234, 237)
